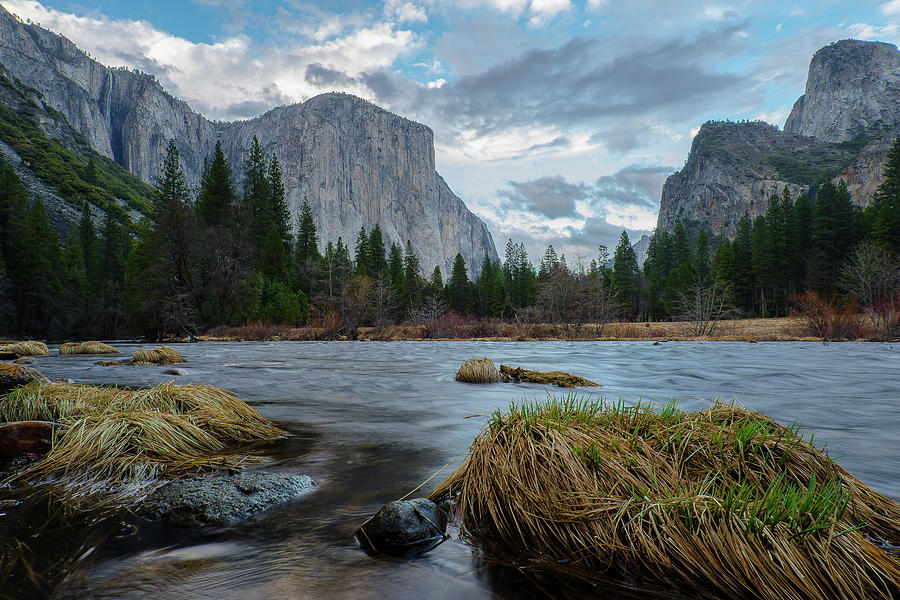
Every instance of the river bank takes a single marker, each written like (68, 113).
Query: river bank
(741, 330)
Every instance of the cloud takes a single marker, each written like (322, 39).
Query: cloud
(579, 83)
(636, 185)
(597, 231)
(890, 8)
(575, 216)
(223, 80)
(552, 197)
(405, 12)
(889, 32)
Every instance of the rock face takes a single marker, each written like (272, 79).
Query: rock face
(734, 168)
(851, 86)
(356, 163)
(842, 128)
(223, 499)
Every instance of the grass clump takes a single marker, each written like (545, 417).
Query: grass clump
(721, 503)
(164, 355)
(28, 348)
(92, 347)
(478, 370)
(557, 378)
(112, 436)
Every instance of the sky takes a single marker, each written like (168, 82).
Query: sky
(556, 121)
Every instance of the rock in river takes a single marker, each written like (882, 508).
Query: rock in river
(24, 437)
(13, 375)
(403, 527)
(223, 499)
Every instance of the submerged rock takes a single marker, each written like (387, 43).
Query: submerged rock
(223, 499)
(403, 527)
(25, 437)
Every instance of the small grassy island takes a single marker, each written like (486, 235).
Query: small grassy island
(720, 503)
(115, 444)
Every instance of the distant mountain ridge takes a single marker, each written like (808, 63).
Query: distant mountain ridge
(356, 163)
(840, 129)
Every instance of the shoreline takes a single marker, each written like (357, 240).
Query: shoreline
(776, 329)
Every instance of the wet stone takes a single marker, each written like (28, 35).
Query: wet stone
(223, 499)
(24, 437)
(404, 527)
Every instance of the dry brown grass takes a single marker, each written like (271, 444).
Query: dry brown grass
(722, 503)
(557, 378)
(27, 348)
(92, 347)
(478, 370)
(164, 355)
(775, 329)
(115, 436)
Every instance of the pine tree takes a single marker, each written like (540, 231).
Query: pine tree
(763, 266)
(625, 275)
(13, 206)
(801, 241)
(160, 273)
(75, 282)
(216, 196)
(743, 263)
(886, 205)
(171, 189)
(412, 288)
(681, 245)
(363, 262)
(549, 263)
(436, 283)
(378, 262)
(90, 171)
(273, 260)
(306, 248)
(832, 235)
(458, 288)
(39, 301)
(114, 247)
(490, 290)
(281, 215)
(257, 199)
(395, 269)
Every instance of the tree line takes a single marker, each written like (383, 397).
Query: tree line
(219, 257)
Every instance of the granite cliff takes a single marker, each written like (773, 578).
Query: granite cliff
(851, 86)
(356, 163)
(840, 129)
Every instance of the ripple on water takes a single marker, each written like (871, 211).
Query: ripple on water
(371, 421)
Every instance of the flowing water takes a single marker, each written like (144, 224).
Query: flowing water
(370, 421)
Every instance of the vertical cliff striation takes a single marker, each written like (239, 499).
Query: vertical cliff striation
(356, 163)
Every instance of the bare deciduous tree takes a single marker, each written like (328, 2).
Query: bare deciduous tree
(704, 304)
(871, 277)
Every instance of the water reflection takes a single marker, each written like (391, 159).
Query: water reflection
(371, 421)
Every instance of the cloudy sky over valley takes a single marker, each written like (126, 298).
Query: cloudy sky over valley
(555, 121)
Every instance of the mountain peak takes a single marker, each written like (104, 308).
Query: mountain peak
(852, 86)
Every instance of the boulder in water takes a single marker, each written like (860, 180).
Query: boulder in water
(223, 499)
(404, 527)
(24, 437)
(13, 375)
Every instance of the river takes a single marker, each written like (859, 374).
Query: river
(370, 421)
